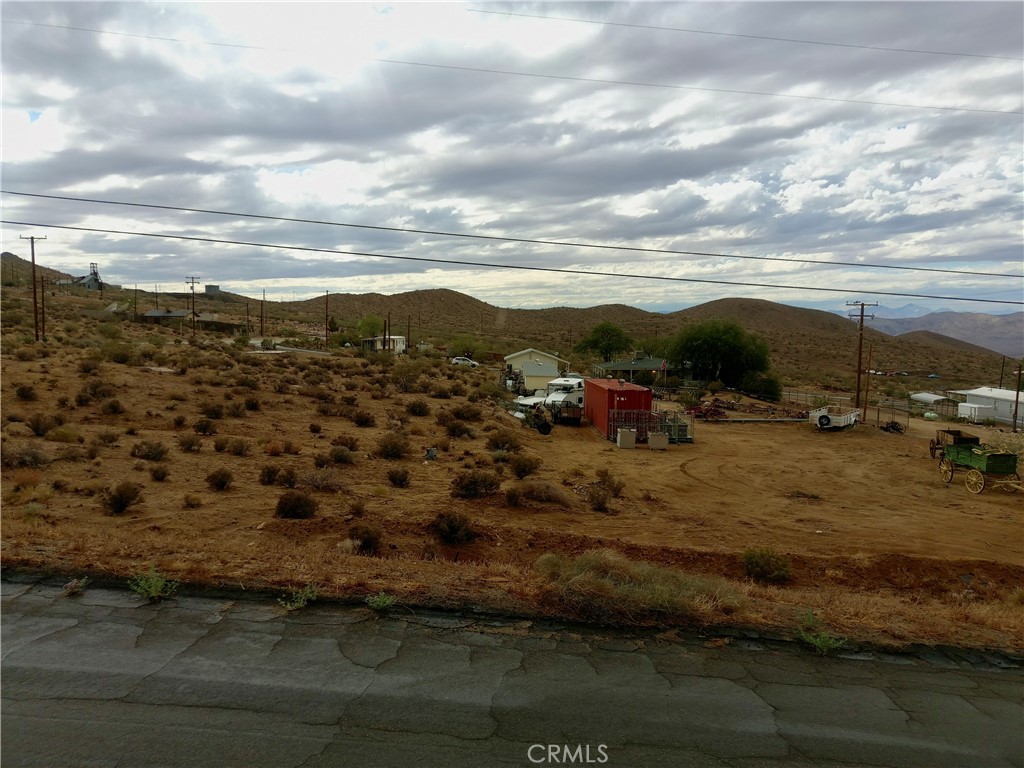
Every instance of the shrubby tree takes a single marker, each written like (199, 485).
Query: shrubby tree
(721, 350)
(606, 339)
(370, 326)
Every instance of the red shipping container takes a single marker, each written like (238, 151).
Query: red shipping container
(602, 396)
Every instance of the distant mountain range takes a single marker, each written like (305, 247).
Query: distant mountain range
(1000, 333)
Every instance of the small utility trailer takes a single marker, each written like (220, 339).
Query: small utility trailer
(833, 417)
(985, 466)
(946, 437)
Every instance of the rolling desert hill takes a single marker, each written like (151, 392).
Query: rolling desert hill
(1000, 333)
(809, 347)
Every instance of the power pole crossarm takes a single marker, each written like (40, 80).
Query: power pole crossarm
(860, 343)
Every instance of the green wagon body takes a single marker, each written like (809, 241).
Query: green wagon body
(988, 460)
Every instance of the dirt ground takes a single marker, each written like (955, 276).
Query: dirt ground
(881, 548)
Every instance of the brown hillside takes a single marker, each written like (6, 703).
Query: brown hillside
(945, 342)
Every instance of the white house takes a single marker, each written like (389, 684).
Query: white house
(394, 344)
(990, 403)
(538, 368)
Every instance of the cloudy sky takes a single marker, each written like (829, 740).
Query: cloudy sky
(829, 134)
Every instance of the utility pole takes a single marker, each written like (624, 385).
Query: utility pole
(156, 293)
(263, 312)
(135, 307)
(867, 387)
(35, 308)
(408, 333)
(247, 329)
(860, 343)
(192, 284)
(1016, 401)
(327, 320)
(42, 306)
(1002, 367)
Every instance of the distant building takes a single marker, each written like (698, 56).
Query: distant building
(90, 282)
(984, 403)
(393, 344)
(212, 290)
(537, 367)
(627, 369)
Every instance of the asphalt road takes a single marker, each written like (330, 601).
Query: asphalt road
(106, 680)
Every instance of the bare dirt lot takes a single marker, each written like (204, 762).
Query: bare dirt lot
(881, 548)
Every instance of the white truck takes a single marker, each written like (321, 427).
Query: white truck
(562, 398)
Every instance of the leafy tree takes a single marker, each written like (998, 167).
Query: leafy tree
(332, 325)
(370, 326)
(720, 350)
(607, 339)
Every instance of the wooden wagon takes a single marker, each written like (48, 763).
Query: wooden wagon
(985, 466)
(946, 437)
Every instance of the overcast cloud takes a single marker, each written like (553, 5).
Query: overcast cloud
(309, 121)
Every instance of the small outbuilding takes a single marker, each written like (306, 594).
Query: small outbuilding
(611, 404)
(393, 344)
(536, 367)
(985, 403)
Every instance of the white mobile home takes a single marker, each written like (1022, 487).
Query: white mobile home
(989, 403)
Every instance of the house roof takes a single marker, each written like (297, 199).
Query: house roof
(539, 368)
(928, 397)
(616, 384)
(536, 351)
(991, 392)
(166, 313)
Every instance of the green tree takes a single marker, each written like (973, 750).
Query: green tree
(370, 326)
(332, 325)
(720, 350)
(607, 339)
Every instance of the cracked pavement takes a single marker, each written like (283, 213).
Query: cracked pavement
(105, 679)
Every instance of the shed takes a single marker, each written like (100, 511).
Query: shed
(395, 344)
(938, 403)
(996, 404)
(537, 374)
(607, 402)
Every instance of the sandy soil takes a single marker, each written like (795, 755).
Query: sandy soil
(880, 546)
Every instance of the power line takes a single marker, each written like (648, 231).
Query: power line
(504, 239)
(140, 36)
(598, 81)
(520, 267)
(749, 37)
(638, 84)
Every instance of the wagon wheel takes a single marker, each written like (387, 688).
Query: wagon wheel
(975, 481)
(946, 470)
(933, 446)
(1011, 483)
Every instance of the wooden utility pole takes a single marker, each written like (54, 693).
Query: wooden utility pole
(327, 320)
(42, 306)
(247, 330)
(1002, 367)
(408, 332)
(860, 343)
(135, 308)
(263, 312)
(867, 388)
(1016, 401)
(35, 300)
(192, 284)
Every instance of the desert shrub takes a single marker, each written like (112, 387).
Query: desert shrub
(150, 450)
(291, 448)
(766, 565)
(111, 407)
(453, 528)
(70, 453)
(108, 331)
(523, 465)
(363, 419)
(212, 410)
(546, 493)
(65, 434)
(466, 412)
(440, 392)
(23, 456)
(26, 478)
(598, 497)
(220, 444)
(152, 585)
(235, 410)
(501, 457)
(26, 393)
(392, 446)
(474, 484)
(457, 428)
(603, 584)
(252, 404)
(610, 483)
(239, 447)
(273, 448)
(159, 472)
(367, 539)
(288, 478)
(295, 505)
(504, 440)
(191, 501)
(342, 455)
(357, 508)
(399, 477)
(99, 390)
(219, 479)
(269, 473)
(514, 496)
(189, 443)
(418, 407)
(347, 441)
(106, 437)
(321, 460)
(119, 498)
(315, 428)
(179, 421)
(40, 423)
(204, 427)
